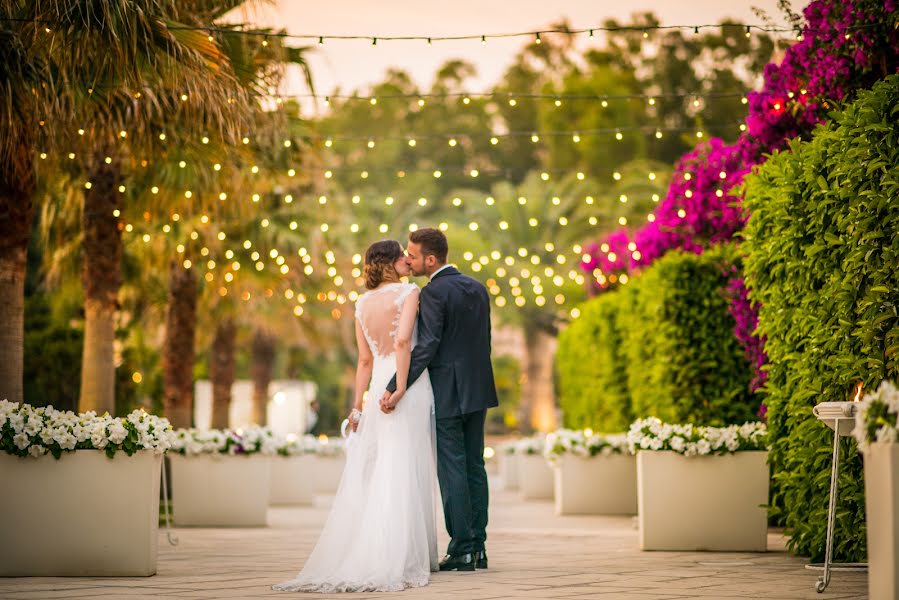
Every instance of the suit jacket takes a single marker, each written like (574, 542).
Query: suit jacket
(454, 344)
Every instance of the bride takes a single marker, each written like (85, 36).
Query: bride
(381, 533)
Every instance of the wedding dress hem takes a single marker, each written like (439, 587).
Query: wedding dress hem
(350, 587)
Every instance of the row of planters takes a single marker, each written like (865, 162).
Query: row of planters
(229, 478)
(703, 488)
(81, 492)
(693, 488)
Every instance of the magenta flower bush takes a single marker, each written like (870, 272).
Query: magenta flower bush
(747, 319)
(845, 46)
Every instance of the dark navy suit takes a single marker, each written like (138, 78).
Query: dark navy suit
(454, 346)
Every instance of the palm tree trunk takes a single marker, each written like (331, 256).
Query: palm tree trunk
(178, 348)
(538, 409)
(262, 367)
(101, 278)
(221, 371)
(16, 216)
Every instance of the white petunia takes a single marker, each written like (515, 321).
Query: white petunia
(37, 450)
(21, 440)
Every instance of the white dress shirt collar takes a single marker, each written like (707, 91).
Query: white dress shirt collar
(446, 266)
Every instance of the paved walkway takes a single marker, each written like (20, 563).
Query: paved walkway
(533, 554)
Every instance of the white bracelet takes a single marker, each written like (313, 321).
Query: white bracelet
(355, 416)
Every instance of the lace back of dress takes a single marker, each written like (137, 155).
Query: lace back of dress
(379, 313)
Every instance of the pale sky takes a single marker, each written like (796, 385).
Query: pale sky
(354, 65)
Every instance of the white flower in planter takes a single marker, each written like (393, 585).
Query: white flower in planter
(652, 434)
(531, 445)
(578, 443)
(876, 417)
(21, 440)
(37, 450)
(243, 442)
(26, 430)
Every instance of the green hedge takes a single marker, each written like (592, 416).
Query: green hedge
(822, 249)
(590, 368)
(684, 364)
(662, 345)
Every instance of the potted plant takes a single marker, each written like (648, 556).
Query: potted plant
(593, 474)
(701, 488)
(80, 492)
(535, 477)
(221, 478)
(291, 467)
(878, 437)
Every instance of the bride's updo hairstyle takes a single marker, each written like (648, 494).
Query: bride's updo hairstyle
(379, 259)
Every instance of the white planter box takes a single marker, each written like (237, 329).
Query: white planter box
(692, 503)
(882, 515)
(508, 471)
(599, 485)
(325, 473)
(290, 482)
(535, 477)
(82, 515)
(216, 490)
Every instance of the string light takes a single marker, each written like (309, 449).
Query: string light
(774, 29)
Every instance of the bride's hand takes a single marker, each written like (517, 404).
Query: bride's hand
(355, 417)
(390, 405)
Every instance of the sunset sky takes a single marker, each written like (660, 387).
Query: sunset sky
(353, 65)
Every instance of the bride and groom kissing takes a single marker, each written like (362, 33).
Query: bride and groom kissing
(424, 359)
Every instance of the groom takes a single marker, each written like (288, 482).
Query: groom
(454, 345)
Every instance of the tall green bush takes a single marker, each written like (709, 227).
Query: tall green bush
(683, 362)
(663, 345)
(822, 247)
(591, 369)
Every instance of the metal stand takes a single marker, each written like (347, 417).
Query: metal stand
(839, 416)
(172, 538)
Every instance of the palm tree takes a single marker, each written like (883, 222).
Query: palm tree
(256, 69)
(122, 62)
(22, 111)
(185, 65)
(261, 369)
(178, 348)
(222, 370)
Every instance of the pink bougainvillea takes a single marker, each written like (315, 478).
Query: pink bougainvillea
(746, 320)
(845, 45)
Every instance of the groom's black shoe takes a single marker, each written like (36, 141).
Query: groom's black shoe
(481, 559)
(463, 562)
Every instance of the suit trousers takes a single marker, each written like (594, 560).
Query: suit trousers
(463, 481)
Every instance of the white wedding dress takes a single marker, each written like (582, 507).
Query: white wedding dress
(381, 533)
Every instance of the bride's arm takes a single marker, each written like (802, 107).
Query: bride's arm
(363, 369)
(403, 342)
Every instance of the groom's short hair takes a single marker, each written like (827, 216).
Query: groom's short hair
(432, 241)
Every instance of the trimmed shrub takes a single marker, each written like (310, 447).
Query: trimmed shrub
(822, 248)
(591, 370)
(684, 364)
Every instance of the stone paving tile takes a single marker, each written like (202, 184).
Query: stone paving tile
(533, 554)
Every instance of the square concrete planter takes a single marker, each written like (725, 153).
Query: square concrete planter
(216, 490)
(325, 472)
(290, 481)
(882, 514)
(692, 503)
(535, 477)
(508, 470)
(598, 485)
(84, 515)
